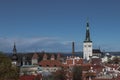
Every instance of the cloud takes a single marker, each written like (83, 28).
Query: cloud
(49, 44)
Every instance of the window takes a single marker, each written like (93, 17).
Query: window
(89, 45)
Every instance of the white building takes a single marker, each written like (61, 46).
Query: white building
(87, 45)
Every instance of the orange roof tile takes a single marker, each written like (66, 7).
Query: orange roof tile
(50, 63)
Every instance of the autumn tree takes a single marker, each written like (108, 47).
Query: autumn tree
(7, 72)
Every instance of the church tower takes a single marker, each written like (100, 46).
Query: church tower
(73, 49)
(14, 49)
(87, 44)
(14, 55)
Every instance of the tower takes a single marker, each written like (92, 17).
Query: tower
(58, 56)
(14, 55)
(52, 57)
(35, 59)
(73, 49)
(87, 44)
(45, 57)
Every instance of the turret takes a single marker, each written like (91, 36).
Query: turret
(52, 57)
(45, 57)
(35, 59)
(58, 56)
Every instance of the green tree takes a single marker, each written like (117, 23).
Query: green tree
(77, 73)
(7, 72)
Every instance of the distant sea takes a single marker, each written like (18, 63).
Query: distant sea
(80, 54)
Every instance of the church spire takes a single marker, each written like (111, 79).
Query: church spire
(14, 49)
(87, 45)
(87, 38)
(14, 55)
(73, 49)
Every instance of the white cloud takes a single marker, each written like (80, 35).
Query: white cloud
(35, 44)
(49, 44)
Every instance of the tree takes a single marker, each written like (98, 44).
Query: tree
(60, 75)
(7, 72)
(77, 73)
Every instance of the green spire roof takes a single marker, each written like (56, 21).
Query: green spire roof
(87, 38)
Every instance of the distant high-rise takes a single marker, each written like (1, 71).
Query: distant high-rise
(87, 44)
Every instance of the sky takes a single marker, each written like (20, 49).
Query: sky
(52, 25)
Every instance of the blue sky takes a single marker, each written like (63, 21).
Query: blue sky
(52, 25)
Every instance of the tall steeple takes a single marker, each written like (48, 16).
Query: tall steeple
(73, 49)
(14, 55)
(87, 45)
(87, 38)
(14, 49)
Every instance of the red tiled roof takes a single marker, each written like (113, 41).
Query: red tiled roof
(112, 65)
(88, 74)
(30, 77)
(86, 67)
(50, 63)
(96, 60)
(75, 61)
(98, 68)
(27, 77)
